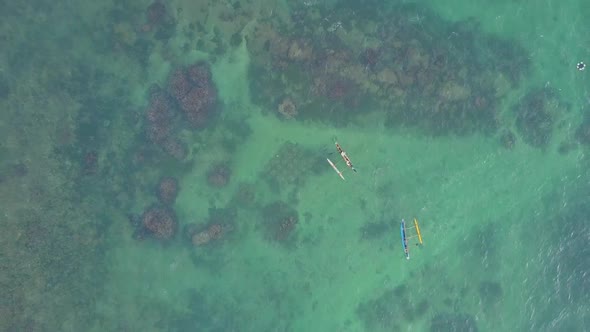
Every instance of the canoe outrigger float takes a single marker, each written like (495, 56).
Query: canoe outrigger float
(336, 169)
(404, 235)
(344, 157)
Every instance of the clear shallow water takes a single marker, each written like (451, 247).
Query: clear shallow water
(504, 220)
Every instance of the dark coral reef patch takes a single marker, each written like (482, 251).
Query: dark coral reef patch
(537, 114)
(392, 310)
(291, 165)
(453, 322)
(279, 223)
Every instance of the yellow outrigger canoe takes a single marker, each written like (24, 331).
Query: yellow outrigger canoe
(418, 230)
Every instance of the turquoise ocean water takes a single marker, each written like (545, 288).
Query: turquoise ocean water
(163, 165)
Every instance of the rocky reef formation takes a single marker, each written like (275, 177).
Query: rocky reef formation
(195, 93)
(245, 196)
(287, 109)
(507, 139)
(158, 222)
(210, 233)
(161, 124)
(159, 21)
(167, 190)
(218, 225)
(279, 221)
(191, 98)
(219, 175)
(439, 76)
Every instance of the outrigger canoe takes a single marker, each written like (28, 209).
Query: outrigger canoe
(344, 157)
(404, 236)
(402, 229)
